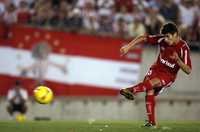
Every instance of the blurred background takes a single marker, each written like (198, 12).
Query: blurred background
(72, 47)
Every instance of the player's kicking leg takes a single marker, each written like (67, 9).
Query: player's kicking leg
(146, 85)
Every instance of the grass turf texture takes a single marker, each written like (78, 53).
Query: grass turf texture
(97, 126)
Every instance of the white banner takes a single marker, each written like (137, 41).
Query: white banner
(80, 70)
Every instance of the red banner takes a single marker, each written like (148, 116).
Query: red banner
(76, 45)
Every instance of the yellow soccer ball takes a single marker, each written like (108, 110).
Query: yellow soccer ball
(43, 95)
(20, 117)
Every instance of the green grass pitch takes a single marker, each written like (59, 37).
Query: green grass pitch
(97, 126)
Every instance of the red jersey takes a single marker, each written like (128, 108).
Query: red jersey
(164, 62)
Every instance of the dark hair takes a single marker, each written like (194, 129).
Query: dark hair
(169, 28)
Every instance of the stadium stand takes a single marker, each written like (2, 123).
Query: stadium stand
(105, 17)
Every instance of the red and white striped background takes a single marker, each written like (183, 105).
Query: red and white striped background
(94, 65)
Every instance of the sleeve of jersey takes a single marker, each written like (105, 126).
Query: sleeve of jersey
(152, 39)
(186, 57)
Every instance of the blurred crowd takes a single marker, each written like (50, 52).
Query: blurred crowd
(117, 18)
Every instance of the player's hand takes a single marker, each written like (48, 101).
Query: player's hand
(175, 56)
(124, 50)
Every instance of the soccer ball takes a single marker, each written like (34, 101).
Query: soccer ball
(20, 117)
(43, 95)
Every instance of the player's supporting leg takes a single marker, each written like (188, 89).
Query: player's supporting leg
(150, 108)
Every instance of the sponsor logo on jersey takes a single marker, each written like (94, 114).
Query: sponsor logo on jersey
(167, 63)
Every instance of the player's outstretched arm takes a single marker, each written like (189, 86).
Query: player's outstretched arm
(138, 40)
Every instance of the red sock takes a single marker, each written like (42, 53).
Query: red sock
(141, 87)
(150, 108)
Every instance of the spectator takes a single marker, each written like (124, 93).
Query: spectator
(136, 28)
(2, 27)
(10, 16)
(187, 18)
(154, 21)
(105, 23)
(128, 4)
(60, 15)
(42, 12)
(138, 13)
(91, 24)
(120, 28)
(124, 14)
(195, 35)
(23, 13)
(75, 23)
(170, 11)
(187, 13)
(17, 97)
(2, 8)
(82, 3)
(105, 4)
(90, 17)
(196, 25)
(17, 3)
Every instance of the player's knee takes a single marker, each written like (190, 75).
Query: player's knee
(150, 92)
(148, 85)
(155, 82)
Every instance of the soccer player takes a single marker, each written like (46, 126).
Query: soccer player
(174, 55)
(17, 98)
